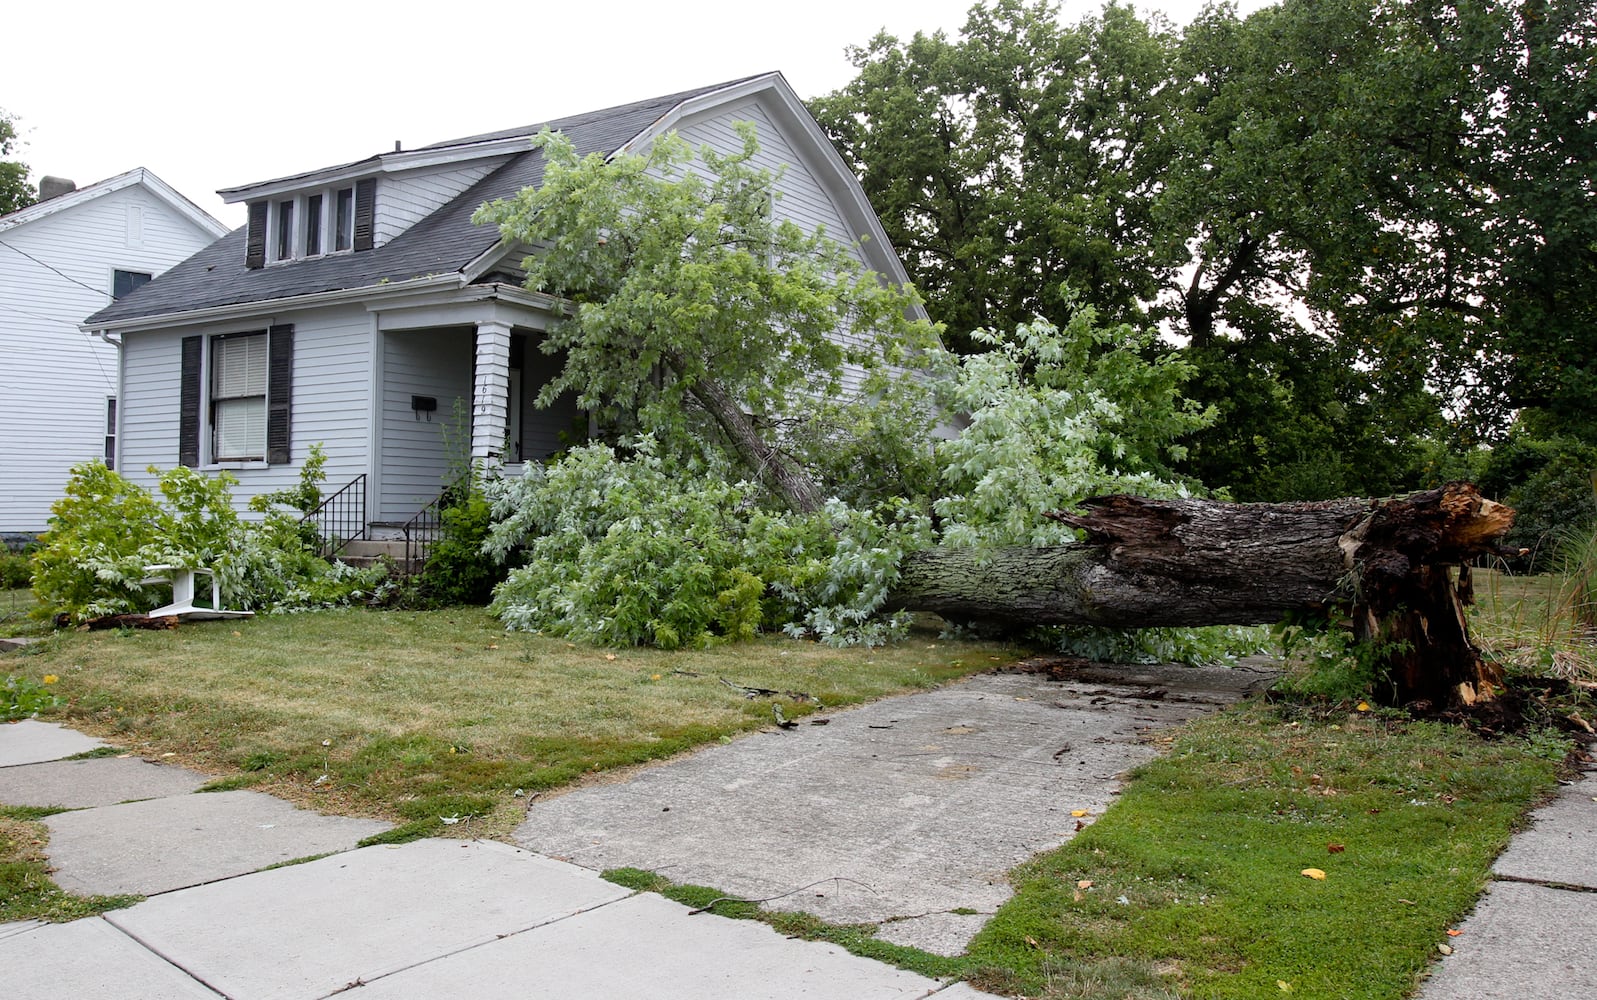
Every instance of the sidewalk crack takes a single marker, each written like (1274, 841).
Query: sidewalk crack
(1545, 883)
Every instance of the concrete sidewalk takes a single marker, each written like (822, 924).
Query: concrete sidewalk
(1532, 934)
(877, 796)
(434, 918)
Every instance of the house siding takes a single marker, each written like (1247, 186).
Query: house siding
(55, 271)
(416, 451)
(405, 199)
(803, 200)
(332, 352)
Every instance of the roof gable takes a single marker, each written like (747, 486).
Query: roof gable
(138, 176)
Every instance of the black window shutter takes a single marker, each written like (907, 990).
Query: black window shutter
(365, 213)
(279, 391)
(188, 412)
(255, 245)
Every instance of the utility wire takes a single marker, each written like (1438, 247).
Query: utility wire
(48, 267)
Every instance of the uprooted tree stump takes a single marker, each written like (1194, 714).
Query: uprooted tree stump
(1399, 567)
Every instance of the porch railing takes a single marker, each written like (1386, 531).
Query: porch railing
(427, 526)
(341, 518)
(421, 531)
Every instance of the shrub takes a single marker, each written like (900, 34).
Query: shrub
(23, 698)
(457, 570)
(1549, 483)
(16, 568)
(106, 531)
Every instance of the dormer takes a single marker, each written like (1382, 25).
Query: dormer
(363, 205)
(312, 222)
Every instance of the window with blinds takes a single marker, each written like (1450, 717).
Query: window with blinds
(238, 398)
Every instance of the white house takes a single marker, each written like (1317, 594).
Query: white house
(360, 307)
(61, 260)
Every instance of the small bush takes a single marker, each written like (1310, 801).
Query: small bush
(457, 570)
(1549, 483)
(23, 697)
(106, 532)
(16, 569)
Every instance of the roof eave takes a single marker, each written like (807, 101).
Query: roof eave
(239, 310)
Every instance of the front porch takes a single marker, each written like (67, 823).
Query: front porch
(454, 397)
(453, 391)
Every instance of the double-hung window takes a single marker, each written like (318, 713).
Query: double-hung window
(238, 397)
(313, 225)
(110, 432)
(235, 397)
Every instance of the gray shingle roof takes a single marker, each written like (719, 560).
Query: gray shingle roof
(443, 242)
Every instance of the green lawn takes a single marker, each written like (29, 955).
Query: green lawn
(1192, 883)
(1188, 886)
(411, 716)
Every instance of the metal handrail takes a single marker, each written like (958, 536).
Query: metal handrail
(341, 518)
(427, 526)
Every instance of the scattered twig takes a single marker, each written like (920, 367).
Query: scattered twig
(782, 720)
(712, 904)
(759, 692)
(750, 692)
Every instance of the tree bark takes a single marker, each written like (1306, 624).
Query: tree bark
(791, 481)
(1398, 566)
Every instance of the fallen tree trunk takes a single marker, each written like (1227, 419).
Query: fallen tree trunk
(1398, 567)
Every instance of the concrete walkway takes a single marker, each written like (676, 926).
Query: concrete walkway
(434, 918)
(1531, 934)
(908, 811)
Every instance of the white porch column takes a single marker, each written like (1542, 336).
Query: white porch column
(490, 394)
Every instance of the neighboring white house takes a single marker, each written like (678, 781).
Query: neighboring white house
(61, 260)
(361, 306)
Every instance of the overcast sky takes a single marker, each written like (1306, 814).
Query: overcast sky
(216, 94)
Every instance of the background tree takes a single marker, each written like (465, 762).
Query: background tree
(697, 311)
(1371, 221)
(1012, 160)
(15, 191)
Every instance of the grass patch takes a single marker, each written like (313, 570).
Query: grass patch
(26, 891)
(16, 610)
(29, 814)
(415, 717)
(859, 939)
(291, 862)
(97, 753)
(1193, 877)
(1536, 624)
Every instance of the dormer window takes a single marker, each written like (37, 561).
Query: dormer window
(335, 219)
(284, 248)
(344, 219)
(313, 225)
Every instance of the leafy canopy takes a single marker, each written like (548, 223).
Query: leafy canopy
(1374, 221)
(15, 191)
(698, 314)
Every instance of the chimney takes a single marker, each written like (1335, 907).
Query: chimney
(55, 187)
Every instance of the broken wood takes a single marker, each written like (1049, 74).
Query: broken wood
(131, 621)
(1399, 567)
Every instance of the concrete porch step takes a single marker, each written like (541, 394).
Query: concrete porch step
(370, 549)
